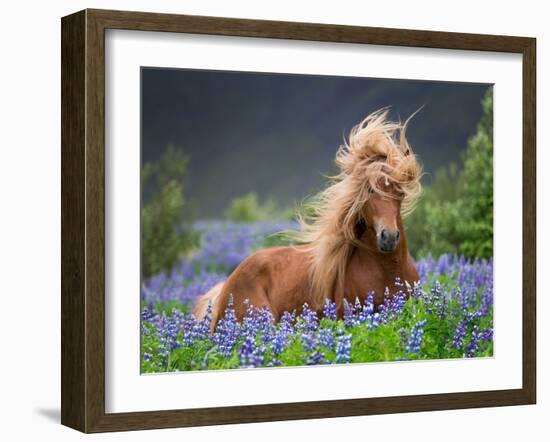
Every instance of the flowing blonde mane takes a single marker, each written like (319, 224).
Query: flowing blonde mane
(375, 152)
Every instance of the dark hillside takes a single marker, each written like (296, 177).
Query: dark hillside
(277, 134)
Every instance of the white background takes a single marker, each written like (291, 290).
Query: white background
(128, 391)
(30, 222)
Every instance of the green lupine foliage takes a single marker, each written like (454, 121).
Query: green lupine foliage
(384, 343)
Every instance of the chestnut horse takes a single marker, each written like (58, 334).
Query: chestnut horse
(354, 242)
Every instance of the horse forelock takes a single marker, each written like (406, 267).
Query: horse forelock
(376, 153)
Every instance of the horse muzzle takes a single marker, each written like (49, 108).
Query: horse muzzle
(388, 240)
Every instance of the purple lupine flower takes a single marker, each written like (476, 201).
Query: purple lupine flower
(486, 300)
(308, 320)
(373, 321)
(227, 331)
(329, 310)
(162, 289)
(286, 323)
(188, 332)
(397, 303)
(178, 318)
(146, 314)
(309, 341)
(288, 318)
(473, 345)
(438, 301)
(326, 338)
(282, 334)
(250, 354)
(462, 297)
(473, 316)
(460, 333)
(387, 299)
(487, 335)
(193, 330)
(279, 337)
(265, 323)
(197, 286)
(369, 303)
(167, 332)
(343, 348)
(416, 290)
(415, 338)
(279, 342)
(249, 323)
(315, 358)
(443, 264)
(392, 306)
(350, 320)
(224, 245)
(202, 329)
(364, 314)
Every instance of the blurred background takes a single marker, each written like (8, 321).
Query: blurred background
(241, 149)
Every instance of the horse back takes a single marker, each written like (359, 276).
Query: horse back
(276, 278)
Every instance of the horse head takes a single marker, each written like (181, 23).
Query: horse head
(382, 215)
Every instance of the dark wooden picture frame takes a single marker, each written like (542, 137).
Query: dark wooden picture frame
(83, 220)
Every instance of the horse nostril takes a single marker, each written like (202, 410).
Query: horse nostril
(384, 235)
(397, 235)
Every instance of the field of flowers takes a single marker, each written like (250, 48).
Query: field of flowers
(449, 314)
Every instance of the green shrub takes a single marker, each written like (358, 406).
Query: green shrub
(247, 208)
(163, 240)
(455, 212)
(476, 223)
(431, 228)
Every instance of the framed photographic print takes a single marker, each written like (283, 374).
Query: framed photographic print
(269, 220)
